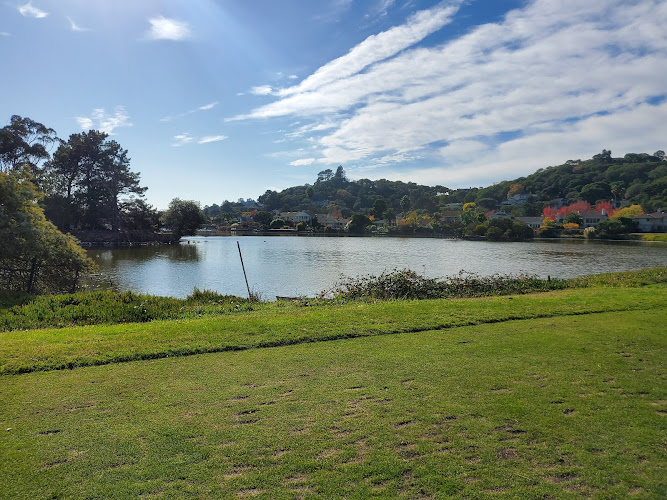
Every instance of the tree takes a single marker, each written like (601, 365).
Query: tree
(325, 175)
(183, 217)
(264, 218)
(515, 188)
(405, 204)
(379, 208)
(573, 218)
(24, 143)
(89, 175)
(628, 212)
(358, 224)
(340, 173)
(34, 256)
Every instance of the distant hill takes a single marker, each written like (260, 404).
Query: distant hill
(637, 178)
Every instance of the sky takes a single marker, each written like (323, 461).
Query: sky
(224, 99)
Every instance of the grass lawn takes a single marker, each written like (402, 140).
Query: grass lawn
(569, 402)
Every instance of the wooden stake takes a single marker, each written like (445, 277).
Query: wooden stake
(243, 267)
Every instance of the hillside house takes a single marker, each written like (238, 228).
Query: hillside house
(651, 223)
(532, 222)
(295, 217)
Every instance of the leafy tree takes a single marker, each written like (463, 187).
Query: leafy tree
(34, 256)
(515, 188)
(277, 223)
(573, 218)
(24, 143)
(379, 208)
(263, 217)
(359, 223)
(325, 175)
(89, 175)
(340, 173)
(595, 191)
(405, 204)
(183, 217)
(628, 212)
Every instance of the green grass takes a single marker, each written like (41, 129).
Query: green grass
(53, 349)
(560, 407)
(654, 237)
(22, 312)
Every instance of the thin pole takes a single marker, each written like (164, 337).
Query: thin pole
(243, 266)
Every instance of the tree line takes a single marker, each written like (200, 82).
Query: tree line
(85, 185)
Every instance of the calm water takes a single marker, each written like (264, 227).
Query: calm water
(307, 265)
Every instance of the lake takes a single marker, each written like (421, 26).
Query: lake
(304, 266)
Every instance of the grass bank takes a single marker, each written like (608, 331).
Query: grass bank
(558, 407)
(552, 395)
(55, 349)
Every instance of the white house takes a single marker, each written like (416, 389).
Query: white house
(651, 223)
(295, 217)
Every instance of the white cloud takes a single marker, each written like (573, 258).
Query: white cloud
(85, 123)
(376, 48)
(261, 90)
(293, 77)
(74, 26)
(29, 10)
(303, 161)
(181, 140)
(212, 138)
(4, 33)
(206, 107)
(542, 71)
(107, 123)
(163, 28)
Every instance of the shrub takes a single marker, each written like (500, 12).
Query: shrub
(406, 284)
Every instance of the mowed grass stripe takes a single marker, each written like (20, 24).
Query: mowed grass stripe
(561, 407)
(54, 349)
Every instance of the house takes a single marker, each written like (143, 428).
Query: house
(450, 216)
(651, 223)
(330, 221)
(532, 222)
(518, 199)
(295, 217)
(592, 219)
(500, 215)
(454, 206)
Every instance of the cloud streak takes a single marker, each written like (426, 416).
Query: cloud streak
(105, 122)
(163, 28)
(29, 10)
(212, 138)
(540, 72)
(74, 26)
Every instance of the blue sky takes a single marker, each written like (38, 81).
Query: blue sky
(222, 99)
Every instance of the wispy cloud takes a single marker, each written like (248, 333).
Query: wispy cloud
(4, 33)
(302, 162)
(212, 138)
(541, 72)
(104, 122)
(74, 26)
(29, 10)
(181, 140)
(377, 48)
(163, 28)
(205, 107)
